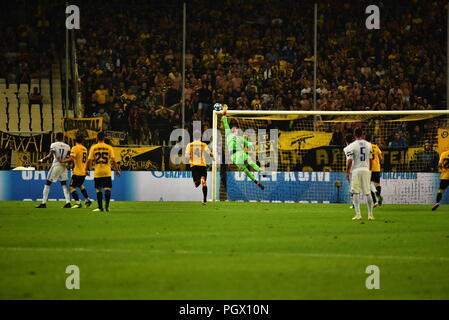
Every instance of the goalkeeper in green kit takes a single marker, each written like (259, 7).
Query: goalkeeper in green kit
(236, 145)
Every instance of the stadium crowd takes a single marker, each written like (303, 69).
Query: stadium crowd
(255, 54)
(26, 49)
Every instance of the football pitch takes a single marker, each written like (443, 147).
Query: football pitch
(167, 250)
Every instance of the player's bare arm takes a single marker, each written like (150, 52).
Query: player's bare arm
(48, 156)
(348, 169)
(69, 159)
(116, 167)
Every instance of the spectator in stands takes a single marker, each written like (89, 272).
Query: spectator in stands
(398, 141)
(106, 118)
(204, 97)
(128, 98)
(101, 98)
(35, 97)
(119, 118)
(426, 160)
(416, 136)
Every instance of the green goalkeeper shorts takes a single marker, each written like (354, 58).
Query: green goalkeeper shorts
(239, 158)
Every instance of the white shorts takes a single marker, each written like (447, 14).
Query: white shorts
(58, 172)
(361, 181)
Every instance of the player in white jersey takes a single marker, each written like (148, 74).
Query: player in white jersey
(358, 155)
(58, 171)
(349, 138)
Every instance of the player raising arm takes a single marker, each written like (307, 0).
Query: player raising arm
(195, 153)
(78, 156)
(443, 165)
(58, 170)
(101, 155)
(236, 145)
(358, 155)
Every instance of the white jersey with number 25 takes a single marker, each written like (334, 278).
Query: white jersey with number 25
(61, 150)
(360, 151)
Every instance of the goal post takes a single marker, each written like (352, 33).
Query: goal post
(300, 155)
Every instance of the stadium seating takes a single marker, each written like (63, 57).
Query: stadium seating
(24, 117)
(36, 118)
(16, 114)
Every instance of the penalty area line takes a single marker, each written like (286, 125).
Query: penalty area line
(234, 253)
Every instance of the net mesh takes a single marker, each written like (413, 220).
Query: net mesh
(302, 160)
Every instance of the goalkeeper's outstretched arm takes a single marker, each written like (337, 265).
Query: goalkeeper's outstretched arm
(233, 143)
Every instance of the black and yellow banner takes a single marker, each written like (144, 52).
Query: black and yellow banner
(332, 158)
(303, 140)
(28, 143)
(87, 127)
(443, 140)
(116, 138)
(5, 159)
(95, 124)
(31, 159)
(139, 158)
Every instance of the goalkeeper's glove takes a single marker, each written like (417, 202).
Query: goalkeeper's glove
(225, 109)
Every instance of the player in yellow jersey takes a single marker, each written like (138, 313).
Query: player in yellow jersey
(101, 156)
(196, 152)
(443, 165)
(375, 175)
(78, 157)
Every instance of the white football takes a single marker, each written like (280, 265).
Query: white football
(218, 107)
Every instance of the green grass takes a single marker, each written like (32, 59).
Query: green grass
(165, 250)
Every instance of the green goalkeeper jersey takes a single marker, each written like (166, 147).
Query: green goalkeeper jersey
(235, 143)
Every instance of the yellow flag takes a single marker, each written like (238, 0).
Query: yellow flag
(302, 140)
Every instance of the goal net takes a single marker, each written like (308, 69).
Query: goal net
(301, 159)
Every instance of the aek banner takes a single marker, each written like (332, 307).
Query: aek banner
(87, 127)
(303, 140)
(139, 158)
(25, 143)
(116, 138)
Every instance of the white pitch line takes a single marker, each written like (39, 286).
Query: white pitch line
(238, 253)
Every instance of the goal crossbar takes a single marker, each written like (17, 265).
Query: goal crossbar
(299, 113)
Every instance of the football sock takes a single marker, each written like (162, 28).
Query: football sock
(378, 190)
(107, 195)
(369, 202)
(84, 193)
(45, 193)
(373, 197)
(204, 193)
(356, 201)
(66, 193)
(75, 196)
(100, 199)
(439, 197)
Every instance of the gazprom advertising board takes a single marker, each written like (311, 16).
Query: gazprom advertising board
(307, 187)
